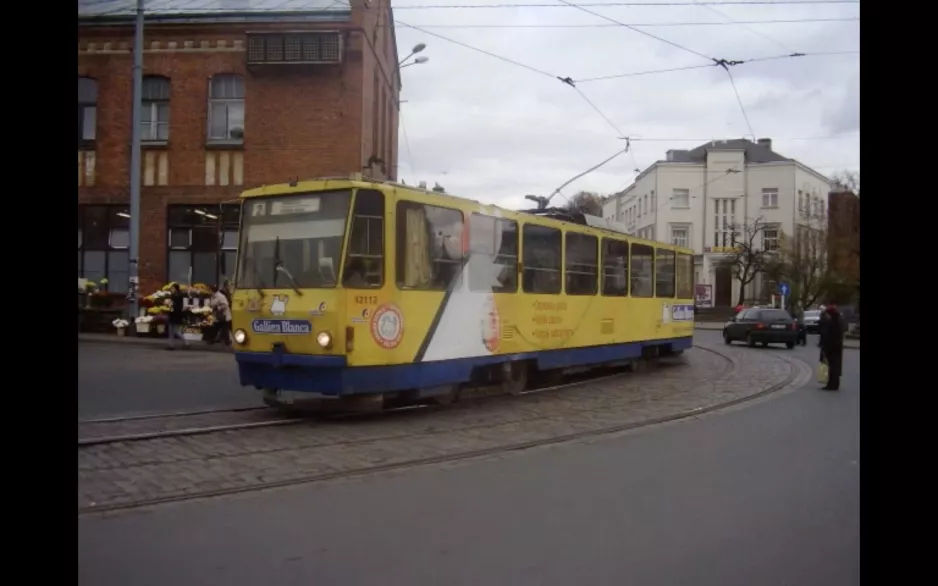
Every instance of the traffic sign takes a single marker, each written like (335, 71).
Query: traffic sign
(783, 288)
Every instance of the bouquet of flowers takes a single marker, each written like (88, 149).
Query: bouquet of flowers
(120, 323)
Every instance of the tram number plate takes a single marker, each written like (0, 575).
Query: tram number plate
(366, 299)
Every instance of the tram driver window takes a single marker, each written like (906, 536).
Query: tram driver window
(664, 273)
(541, 258)
(643, 271)
(364, 264)
(581, 264)
(429, 246)
(615, 268)
(493, 254)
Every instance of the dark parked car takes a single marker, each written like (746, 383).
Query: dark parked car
(762, 326)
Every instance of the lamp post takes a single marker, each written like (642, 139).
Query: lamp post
(417, 61)
(417, 49)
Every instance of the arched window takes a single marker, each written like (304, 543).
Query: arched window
(87, 111)
(226, 109)
(154, 115)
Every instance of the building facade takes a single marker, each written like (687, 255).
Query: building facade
(235, 95)
(698, 198)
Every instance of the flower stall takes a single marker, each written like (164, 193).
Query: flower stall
(156, 307)
(97, 307)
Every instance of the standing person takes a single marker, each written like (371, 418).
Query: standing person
(832, 328)
(176, 317)
(222, 311)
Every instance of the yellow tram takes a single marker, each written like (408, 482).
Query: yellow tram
(395, 294)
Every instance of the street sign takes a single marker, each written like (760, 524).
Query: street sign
(783, 288)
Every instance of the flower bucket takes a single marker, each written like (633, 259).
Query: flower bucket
(161, 329)
(121, 331)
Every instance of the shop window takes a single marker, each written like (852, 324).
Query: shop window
(201, 243)
(103, 242)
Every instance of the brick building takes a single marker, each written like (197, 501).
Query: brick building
(235, 95)
(843, 233)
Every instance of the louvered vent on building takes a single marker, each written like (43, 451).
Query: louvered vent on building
(295, 48)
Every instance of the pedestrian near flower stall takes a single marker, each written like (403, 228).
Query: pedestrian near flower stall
(222, 311)
(176, 317)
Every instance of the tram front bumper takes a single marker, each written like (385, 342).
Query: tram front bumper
(294, 372)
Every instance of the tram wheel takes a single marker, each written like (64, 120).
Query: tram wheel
(514, 377)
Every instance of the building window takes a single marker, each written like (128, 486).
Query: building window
(429, 246)
(364, 265)
(642, 270)
(770, 238)
(680, 198)
(226, 109)
(724, 223)
(582, 260)
(770, 197)
(800, 202)
(664, 273)
(202, 243)
(87, 111)
(103, 243)
(679, 236)
(542, 256)
(493, 254)
(155, 113)
(615, 268)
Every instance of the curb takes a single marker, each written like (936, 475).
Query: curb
(150, 343)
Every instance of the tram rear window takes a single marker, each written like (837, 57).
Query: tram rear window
(684, 276)
(429, 246)
(615, 268)
(664, 273)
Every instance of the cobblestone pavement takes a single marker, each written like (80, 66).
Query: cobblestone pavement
(91, 429)
(127, 474)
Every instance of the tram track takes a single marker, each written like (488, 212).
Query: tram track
(727, 369)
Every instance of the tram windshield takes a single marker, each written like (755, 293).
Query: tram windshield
(300, 233)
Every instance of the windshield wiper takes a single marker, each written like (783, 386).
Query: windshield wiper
(280, 268)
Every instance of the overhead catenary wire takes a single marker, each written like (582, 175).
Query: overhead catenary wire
(637, 24)
(750, 29)
(410, 156)
(739, 100)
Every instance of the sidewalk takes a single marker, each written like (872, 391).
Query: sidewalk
(146, 342)
(710, 325)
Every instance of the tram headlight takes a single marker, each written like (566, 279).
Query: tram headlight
(324, 339)
(240, 336)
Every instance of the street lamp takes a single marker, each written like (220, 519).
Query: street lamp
(416, 61)
(417, 49)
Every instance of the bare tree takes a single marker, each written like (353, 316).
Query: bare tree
(847, 180)
(748, 257)
(587, 202)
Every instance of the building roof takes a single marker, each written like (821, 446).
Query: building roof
(755, 152)
(90, 9)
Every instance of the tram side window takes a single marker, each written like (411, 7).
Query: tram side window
(581, 264)
(664, 273)
(615, 268)
(643, 271)
(429, 246)
(493, 258)
(684, 276)
(542, 259)
(364, 263)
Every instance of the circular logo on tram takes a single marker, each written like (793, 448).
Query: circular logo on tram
(490, 324)
(387, 326)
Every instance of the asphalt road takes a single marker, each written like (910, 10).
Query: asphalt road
(126, 379)
(766, 494)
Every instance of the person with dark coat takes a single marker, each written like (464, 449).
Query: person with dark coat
(832, 328)
(176, 318)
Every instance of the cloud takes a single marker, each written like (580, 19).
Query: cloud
(495, 131)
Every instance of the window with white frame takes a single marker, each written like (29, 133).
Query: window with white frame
(770, 235)
(770, 197)
(800, 202)
(87, 111)
(226, 109)
(154, 115)
(680, 236)
(680, 198)
(724, 223)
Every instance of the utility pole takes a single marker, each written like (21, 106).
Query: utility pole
(135, 163)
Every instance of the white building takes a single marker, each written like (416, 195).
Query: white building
(694, 196)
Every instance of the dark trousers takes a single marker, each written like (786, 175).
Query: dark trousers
(835, 359)
(219, 332)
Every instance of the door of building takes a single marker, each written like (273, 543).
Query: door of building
(723, 285)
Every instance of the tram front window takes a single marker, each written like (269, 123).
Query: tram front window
(304, 232)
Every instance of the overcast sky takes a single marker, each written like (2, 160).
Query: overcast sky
(494, 131)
